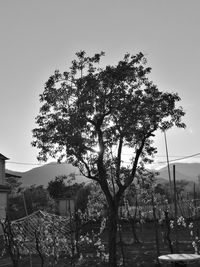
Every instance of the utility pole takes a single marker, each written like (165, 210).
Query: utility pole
(175, 210)
(168, 167)
(194, 196)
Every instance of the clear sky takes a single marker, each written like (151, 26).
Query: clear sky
(38, 37)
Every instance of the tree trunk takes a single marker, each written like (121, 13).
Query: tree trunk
(168, 231)
(135, 238)
(112, 235)
(156, 229)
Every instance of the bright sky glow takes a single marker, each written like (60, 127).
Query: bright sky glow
(38, 37)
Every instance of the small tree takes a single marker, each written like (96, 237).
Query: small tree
(64, 185)
(56, 187)
(90, 115)
(14, 183)
(28, 200)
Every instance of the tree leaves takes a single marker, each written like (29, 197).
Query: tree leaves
(111, 108)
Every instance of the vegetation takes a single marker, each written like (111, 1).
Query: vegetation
(26, 201)
(14, 183)
(89, 115)
(146, 229)
(64, 186)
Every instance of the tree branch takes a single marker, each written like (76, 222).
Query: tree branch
(101, 168)
(118, 163)
(138, 153)
(89, 175)
(90, 149)
(134, 168)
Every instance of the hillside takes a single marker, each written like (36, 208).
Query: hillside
(179, 175)
(184, 171)
(42, 175)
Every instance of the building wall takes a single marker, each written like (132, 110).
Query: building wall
(3, 191)
(2, 171)
(3, 204)
(3, 195)
(66, 206)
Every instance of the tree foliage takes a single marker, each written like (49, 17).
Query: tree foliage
(14, 183)
(89, 113)
(56, 187)
(32, 198)
(64, 186)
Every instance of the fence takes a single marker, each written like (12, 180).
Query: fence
(185, 208)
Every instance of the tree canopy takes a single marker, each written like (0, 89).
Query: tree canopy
(90, 114)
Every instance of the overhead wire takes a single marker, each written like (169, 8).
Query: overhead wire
(158, 162)
(182, 158)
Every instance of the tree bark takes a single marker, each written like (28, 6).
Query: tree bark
(112, 235)
(167, 221)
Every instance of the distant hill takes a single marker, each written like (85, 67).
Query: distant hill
(184, 171)
(44, 174)
(179, 175)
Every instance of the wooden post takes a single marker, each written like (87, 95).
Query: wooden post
(175, 210)
(168, 167)
(194, 196)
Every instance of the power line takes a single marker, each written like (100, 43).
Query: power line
(186, 157)
(159, 162)
(159, 156)
(24, 163)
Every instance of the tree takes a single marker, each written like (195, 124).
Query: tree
(28, 200)
(89, 115)
(64, 186)
(14, 182)
(56, 187)
(38, 198)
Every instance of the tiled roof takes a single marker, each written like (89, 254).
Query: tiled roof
(4, 188)
(12, 175)
(3, 157)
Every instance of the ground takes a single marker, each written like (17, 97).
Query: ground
(143, 254)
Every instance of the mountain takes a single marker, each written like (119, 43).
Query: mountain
(183, 171)
(44, 174)
(188, 172)
(179, 175)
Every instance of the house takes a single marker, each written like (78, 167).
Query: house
(66, 206)
(4, 188)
